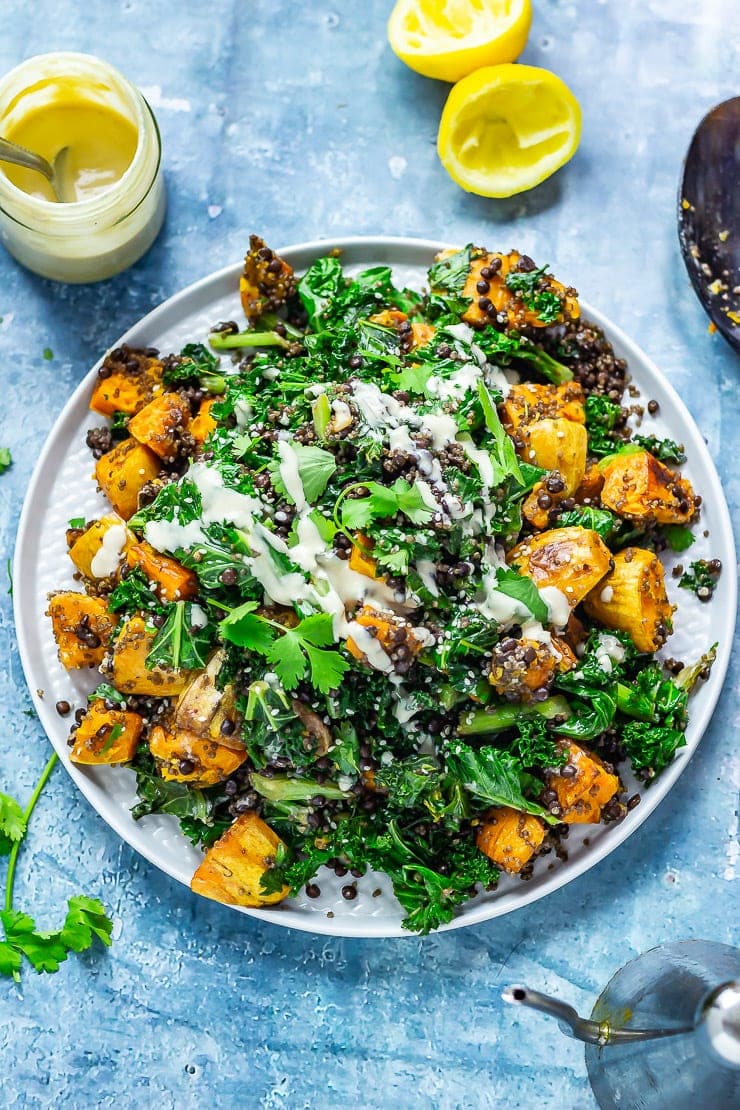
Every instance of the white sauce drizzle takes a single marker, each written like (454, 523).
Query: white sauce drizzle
(558, 609)
(290, 474)
(106, 559)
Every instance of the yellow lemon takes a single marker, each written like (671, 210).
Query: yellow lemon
(448, 39)
(506, 128)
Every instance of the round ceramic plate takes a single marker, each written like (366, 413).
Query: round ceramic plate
(61, 488)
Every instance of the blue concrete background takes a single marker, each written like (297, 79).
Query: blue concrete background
(296, 120)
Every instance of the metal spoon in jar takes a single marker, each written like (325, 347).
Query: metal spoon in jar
(709, 216)
(54, 173)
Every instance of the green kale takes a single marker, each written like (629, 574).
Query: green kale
(651, 747)
(492, 776)
(602, 416)
(535, 294)
(603, 522)
(133, 593)
(196, 364)
(450, 274)
(534, 745)
(407, 781)
(183, 643)
(667, 450)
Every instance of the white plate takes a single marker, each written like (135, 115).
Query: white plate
(61, 489)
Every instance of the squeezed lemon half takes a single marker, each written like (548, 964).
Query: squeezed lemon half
(448, 39)
(506, 128)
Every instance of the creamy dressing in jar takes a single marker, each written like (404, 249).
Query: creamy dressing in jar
(113, 165)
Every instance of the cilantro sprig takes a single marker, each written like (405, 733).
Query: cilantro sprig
(294, 653)
(85, 919)
(382, 501)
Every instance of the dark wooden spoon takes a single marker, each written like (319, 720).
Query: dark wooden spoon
(709, 216)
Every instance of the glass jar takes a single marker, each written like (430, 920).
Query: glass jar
(93, 238)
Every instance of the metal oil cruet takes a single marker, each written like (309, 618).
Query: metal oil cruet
(665, 1032)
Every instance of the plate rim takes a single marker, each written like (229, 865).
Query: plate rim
(476, 914)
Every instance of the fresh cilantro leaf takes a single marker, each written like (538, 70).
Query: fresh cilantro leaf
(346, 751)
(77, 522)
(397, 562)
(245, 629)
(44, 951)
(6, 459)
(415, 379)
(679, 537)
(286, 656)
(108, 693)
(86, 918)
(12, 823)
(328, 668)
(386, 501)
(315, 467)
(326, 528)
(510, 582)
(183, 642)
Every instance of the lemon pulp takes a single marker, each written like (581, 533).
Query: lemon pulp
(506, 128)
(448, 39)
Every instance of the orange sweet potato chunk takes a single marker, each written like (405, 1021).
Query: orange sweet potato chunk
(572, 559)
(510, 838)
(389, 630)
(582, 795)
(126, 383)
(529, 402)
(504, 299)
(184, 757)
(203, 423)
(233, 867)
(86, 547)
(361, 560)
(172, 580)
(82, 628)
(644, 490)
(106, 735)
(129, 671)
(160, 424)
(632, 598)
(123, 472)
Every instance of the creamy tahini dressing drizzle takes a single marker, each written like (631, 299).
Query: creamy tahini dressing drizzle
(290, 474)
(106, 559)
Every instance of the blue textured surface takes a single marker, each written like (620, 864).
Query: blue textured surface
(297, 121)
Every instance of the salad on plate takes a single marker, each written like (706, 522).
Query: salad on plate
(379, 589)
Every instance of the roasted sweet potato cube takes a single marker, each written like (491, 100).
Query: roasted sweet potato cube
(361, 560)
(388, 318)
(528, 402)
(160, 424)
(421, 334)
(585, 789)
(203, 423)
(574, 560)
(82, 628)
(129, 671)
(591, 485)
(555, 444)
(233, 867)
(644, 490)
(106, 735)
(504, 299)
(127, 383)
(125, 470)
(389, 630)
(184, 757)
(267, 281)
(97, 552)
(510, 838)
(173, 582)
(522, 671)
(632, 598)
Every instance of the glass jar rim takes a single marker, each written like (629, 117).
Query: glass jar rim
(91, 207)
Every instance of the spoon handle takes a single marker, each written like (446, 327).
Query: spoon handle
(19, 156)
